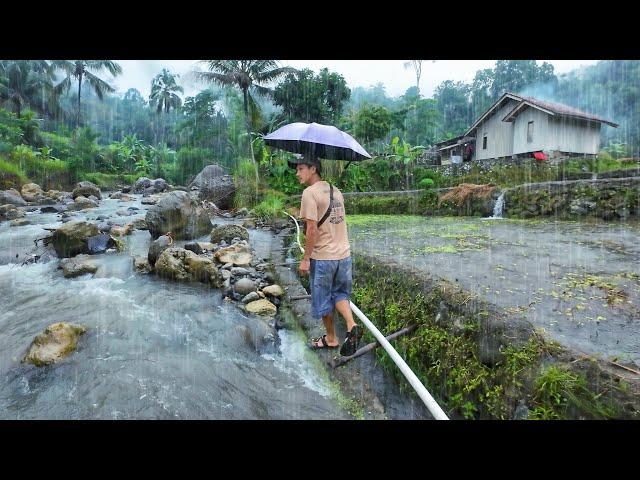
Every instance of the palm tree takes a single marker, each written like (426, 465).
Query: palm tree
(163, 96)
(81, 69)
(163, 88)
(27, 83)
(247, 75)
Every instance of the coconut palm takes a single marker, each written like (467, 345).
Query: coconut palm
(82, 69)
(163, 88)
(247, 75)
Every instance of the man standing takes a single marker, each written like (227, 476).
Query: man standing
(327, 256)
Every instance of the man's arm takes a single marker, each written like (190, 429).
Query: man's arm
(311, 237)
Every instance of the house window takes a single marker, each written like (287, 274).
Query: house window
(530, 132)
(484, 142)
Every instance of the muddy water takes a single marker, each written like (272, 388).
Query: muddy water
(154, 349)
(578, 281)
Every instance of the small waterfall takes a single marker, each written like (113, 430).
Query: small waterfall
(497, 209)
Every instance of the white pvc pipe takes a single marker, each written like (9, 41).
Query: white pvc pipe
(417, 385)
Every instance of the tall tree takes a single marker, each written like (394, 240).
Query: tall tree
(163, 92)
(27, 83)
(417, 67)
(250, 76)
(83, 70)
(454, 106)
(514, 75)
(305, 97)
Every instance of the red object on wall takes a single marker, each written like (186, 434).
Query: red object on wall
(539, 156)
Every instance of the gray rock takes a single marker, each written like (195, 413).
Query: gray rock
(251, 297)
(86, 189)
(12, 197)
(20, 222)
(182, 265)
(100, 243)
(244, 286)
(160, 185)
(157, 247)
(141, 184)
(72, 238)
(179, 214)
(82, 203)
(193, 247)
(214, 185)
(228, 233)
(32, 192)
(239, 271)
(74, 267)
(10, 212)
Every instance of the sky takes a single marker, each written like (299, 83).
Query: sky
(365, 73)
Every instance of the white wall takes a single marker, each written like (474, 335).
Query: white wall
(499, 133)
(542, 136)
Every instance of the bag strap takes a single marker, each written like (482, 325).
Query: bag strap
(326, 214)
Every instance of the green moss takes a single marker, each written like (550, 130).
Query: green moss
(445, 358)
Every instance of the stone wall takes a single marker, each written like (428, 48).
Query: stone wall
(608, 199)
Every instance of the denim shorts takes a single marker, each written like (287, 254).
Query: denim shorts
(330, 282)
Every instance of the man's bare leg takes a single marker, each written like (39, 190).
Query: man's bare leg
(331, 339)
(345, 310)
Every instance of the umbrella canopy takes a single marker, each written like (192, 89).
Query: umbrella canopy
(314, 140)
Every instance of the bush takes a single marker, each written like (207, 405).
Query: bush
(426, 183)
(109, 181)
(248, 191)
(11, 176)
(271, 207)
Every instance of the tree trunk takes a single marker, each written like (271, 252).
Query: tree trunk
(79, 90)
(248, 124)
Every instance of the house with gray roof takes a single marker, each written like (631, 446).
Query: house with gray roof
(517, 126)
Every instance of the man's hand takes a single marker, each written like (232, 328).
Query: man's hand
(305, 266)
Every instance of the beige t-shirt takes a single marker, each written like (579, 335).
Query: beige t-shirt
(333, 241)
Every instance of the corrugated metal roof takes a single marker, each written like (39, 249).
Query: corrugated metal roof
(559, 109)
(554, 108)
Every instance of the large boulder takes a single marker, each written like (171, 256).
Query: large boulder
(72, 238)
(228, 233)
(12, 197)
(141, 184)
(183, 265)
(32, 192)
(86, 189)
(57, 341)
(179, 214)
(160, 185)
(214, 185)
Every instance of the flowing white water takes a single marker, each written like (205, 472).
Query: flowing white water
(498, 207)
(153, 348)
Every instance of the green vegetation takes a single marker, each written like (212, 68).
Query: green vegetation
(444, 354)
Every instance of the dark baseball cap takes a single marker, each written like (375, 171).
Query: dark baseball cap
(308, 161)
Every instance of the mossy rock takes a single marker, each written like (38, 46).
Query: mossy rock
(56, 342)
(228, 233)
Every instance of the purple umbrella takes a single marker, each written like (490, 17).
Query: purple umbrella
(314, 140)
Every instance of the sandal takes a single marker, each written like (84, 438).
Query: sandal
(323, 339)
(350, 345)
